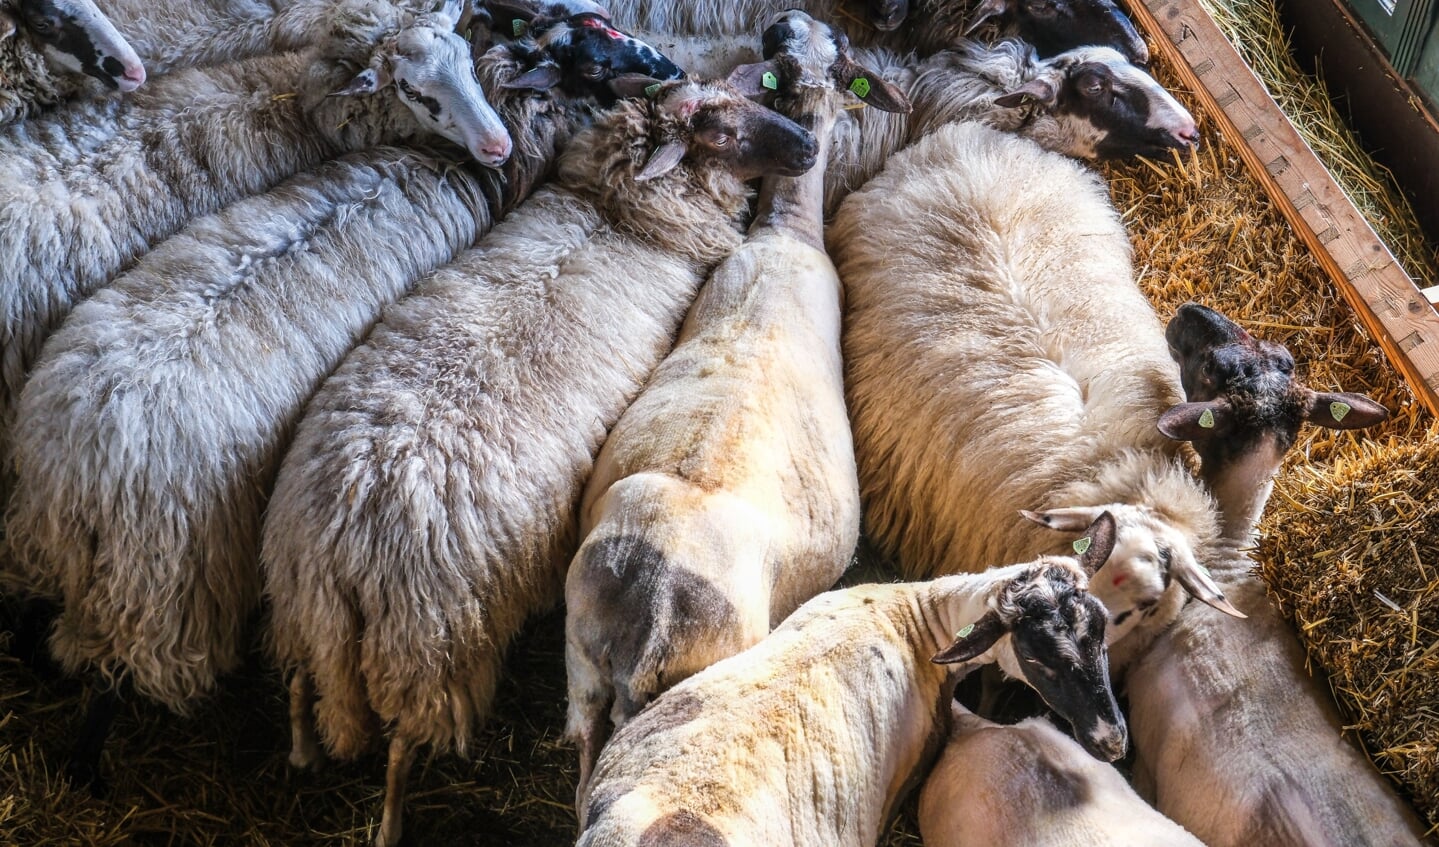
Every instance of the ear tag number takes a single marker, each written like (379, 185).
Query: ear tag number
(1206, 420)
(652, 89)
(964, 633)
(770, 81)
(1338, 410)
(1081, 546)
(860, 86)
(518, 27)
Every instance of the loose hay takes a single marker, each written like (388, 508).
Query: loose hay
(1202, 229)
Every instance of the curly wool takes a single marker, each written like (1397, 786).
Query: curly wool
(27, 84)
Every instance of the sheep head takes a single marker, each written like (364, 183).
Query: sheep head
(1054, 26)
(75, 36)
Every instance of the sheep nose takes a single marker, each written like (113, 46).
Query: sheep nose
(1187, 135)
(132, 78)
(1109, 743)
(494, 154)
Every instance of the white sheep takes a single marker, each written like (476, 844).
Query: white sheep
(427, 506)
(1030, 785)
(85, 191)
(813, 736)
(170, 35)
(48, 47)
(726, 494)
(1234, 738)
(1000, 357)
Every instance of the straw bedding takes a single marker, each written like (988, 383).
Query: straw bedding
(1353, 517)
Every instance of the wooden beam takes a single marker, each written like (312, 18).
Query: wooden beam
(1384, 297)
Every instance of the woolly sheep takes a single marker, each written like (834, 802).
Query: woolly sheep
(1000, 357)
(84, 192)
(813, 736)
(1233, 737)
(174, 34)
(256, 304)
(1030, 785)
(726, 494)
(427, 506)
(47, 47)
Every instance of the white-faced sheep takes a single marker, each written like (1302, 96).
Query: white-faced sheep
(726, 494)
(427, 507)
(48, 47)
(1234, 738)
(87, 190)
(179, 384)
(1001, 357)
(813, 736)
(1030, 785)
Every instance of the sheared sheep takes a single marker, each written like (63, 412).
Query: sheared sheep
(1234, 738)
(813, 736)
(1030, 785)
(427, 506)
(257, 304)
(85, 191)
(47, 47)
(726, 494)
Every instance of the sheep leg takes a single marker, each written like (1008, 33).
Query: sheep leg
(31, 624)
(402, 756)
(84, 765)
(304, 746)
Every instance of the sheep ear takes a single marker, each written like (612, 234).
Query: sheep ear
(1199, 584)
(367, 81)
(987, 11)
(626, 86)
(755, 80)
(662, 161)
(1191, 421)
(1335, 410)
(1097, 543)
(1069, 519)
(8, 25)
(542, 78)
(873, 89)
(972, 640)
(1035, 89)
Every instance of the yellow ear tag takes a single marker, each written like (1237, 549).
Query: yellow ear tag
(964, 633)
(770, 81)
(1206, 420)
(1338, 410)
(860, 86)
(518, 27)
(651, 89)
(1081, 546)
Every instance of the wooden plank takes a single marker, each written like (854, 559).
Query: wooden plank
(1384, 297)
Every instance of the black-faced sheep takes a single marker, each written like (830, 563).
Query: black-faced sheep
(813, 737)
(86, 190)
(1234, 738)
(427, 506)
(48, 47)
(726, 495)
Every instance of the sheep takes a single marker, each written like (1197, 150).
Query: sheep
(48, 46)
(85, 192)
(1088, 103)
(262, 299)
(1030, 785)
(1001, 358)
(1233, 737)
(814, 735)
(427, 505)
(1053, 26)
(170, 35)
(726, 494)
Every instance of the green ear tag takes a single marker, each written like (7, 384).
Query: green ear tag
(964, 633)
(860, 86)
(651, 89)
(1338, 410)
(518, 27)
(1206, 420)
(1081, 546)
(770, 81)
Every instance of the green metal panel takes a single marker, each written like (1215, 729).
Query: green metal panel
(1426, 74)
(1399, 26)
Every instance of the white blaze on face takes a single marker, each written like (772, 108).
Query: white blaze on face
(434, 77)
(76, 37)
(1165, 112)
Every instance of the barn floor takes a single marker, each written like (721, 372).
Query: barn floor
(1202, 229)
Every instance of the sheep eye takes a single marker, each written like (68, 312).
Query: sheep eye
(41, 26)
(720, 140)
(593, 71)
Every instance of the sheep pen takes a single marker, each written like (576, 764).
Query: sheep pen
(1203, 229)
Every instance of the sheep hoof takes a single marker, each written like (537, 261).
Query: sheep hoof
(388, 836)
(87, 775)
(304, 758)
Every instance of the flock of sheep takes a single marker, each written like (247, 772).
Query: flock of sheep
(405, 322)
